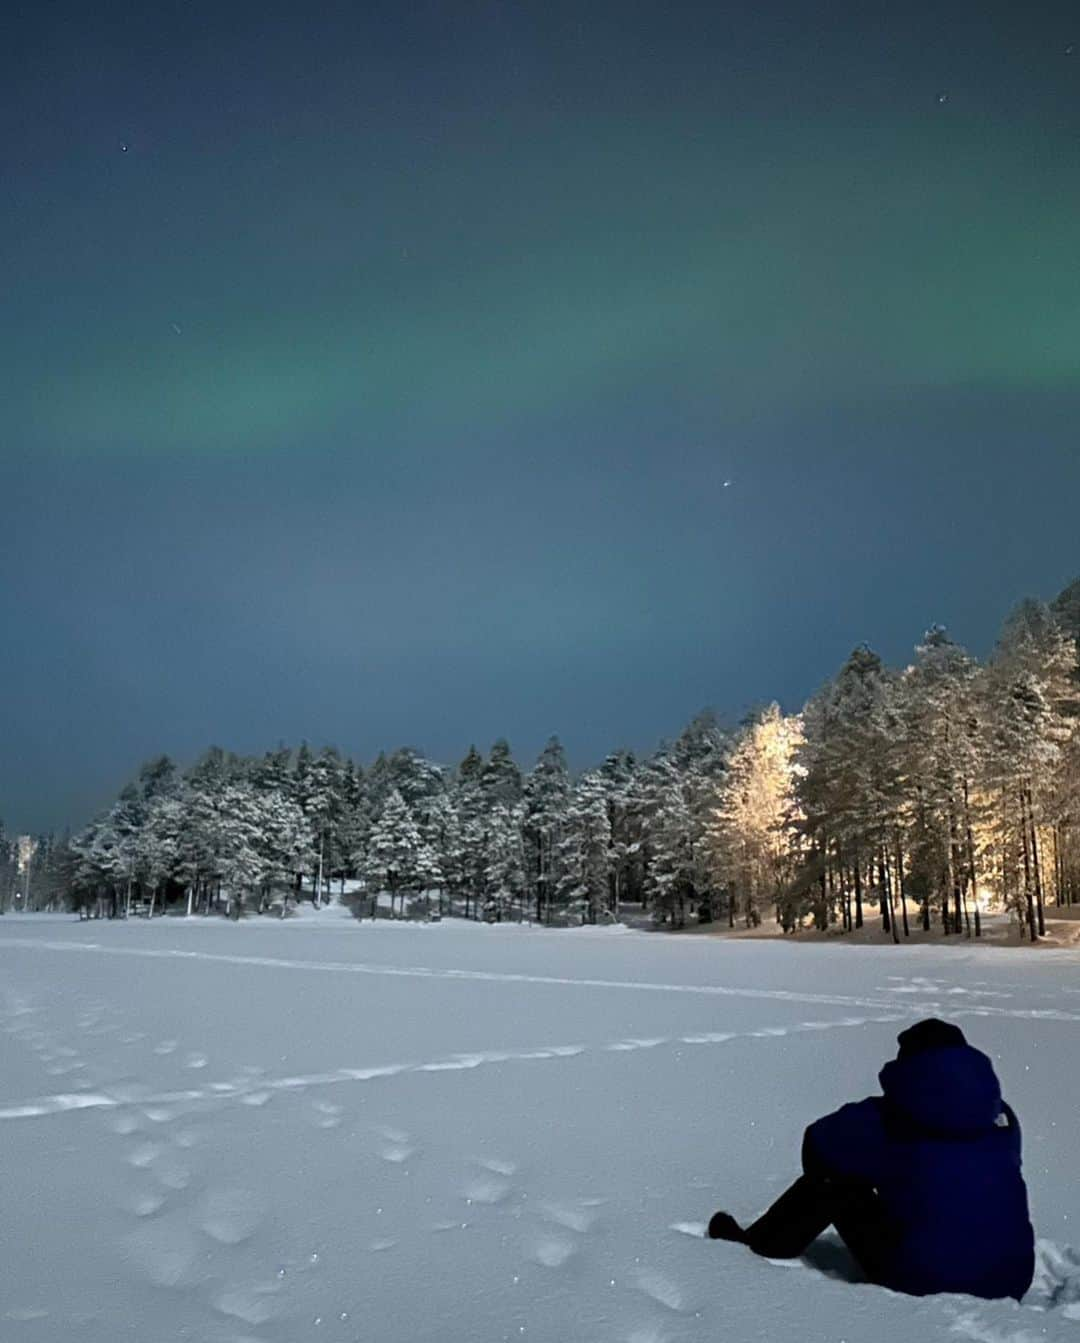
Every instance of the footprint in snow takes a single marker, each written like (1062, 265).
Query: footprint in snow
(229, 1215)
(163, 1047)
(170, 1171)
(487, 1189)
(553, 1251)
(661, 1288)
(142, 1203)
(166, 1252)
(251, 1302)
(327, 1115)
(579, 1215)
(496, 1167)
(397, 1147)
(396, 1155)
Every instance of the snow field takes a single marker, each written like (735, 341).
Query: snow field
(322, 1130)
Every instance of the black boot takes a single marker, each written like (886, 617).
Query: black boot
(722, 1226)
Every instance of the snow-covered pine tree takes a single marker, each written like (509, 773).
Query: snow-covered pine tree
(753, 839)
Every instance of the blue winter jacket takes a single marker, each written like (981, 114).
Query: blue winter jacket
(943, 1152)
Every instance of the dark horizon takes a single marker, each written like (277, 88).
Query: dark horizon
(397, 376)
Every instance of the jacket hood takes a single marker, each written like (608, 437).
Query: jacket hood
(950, 1090)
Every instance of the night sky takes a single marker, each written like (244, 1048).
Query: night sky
(372, 373)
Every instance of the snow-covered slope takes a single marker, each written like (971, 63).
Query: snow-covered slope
(330, 1131)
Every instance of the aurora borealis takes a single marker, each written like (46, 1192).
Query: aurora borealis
(371, 372)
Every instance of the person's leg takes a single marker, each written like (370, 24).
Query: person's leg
(862, 1225)
(801, 1214)
(798, 1216)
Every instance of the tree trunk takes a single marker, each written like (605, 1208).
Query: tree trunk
(900, 884)
(970, 838)
(1030, 903)
(1036, 867)
(858, 892)
(888, 915)
(153, 898)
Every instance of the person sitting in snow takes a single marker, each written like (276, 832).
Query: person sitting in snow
(922, 1183)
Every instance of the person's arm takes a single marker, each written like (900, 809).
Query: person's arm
(848, 1144)
(1011, 1130)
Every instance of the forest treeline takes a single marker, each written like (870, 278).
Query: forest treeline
(922, 793)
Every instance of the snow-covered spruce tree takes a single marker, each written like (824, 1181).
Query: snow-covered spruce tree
(470, 806)
(442, 832)
(850, 794)
(504, 876)
(670, 829)
(158, 851)
(352, 824)
(500, 778)
(546, 798)
(398, 861)
(584, 889)
(942, 746)
(320, 792)
(617, 775)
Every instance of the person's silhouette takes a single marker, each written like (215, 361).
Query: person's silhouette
(922, 1183)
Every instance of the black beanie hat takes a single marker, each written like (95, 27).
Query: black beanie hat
(929, 1034)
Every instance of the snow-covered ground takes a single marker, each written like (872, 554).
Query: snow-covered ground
(330, 1131)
